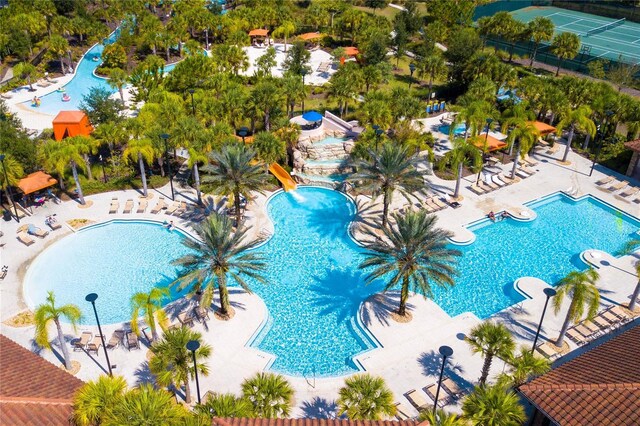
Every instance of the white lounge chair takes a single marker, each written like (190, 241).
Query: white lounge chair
(115, 205)
(128, 207)
(417, 399)
(605, 180)
(142, 206)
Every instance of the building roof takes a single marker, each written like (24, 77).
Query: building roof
(633, 145)
(312, 422)
(35, 182)
(542, 127)
(32, 390)
(601, 386)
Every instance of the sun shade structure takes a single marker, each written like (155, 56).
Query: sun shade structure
(35, 182)
(258, 32)
(309, 36)
(543, 128)
(312, 116)
(71, 123)
(351, 51)
(492, 144)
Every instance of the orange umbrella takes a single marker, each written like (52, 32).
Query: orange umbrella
(542, 127)
(309, 36)
(351, 51)
(492, 144)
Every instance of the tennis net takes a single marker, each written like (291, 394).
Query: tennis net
(603, 28)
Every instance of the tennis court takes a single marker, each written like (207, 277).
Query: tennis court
(615, 40)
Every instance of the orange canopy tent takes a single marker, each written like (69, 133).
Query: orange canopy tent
(35, 182)
(258, 32)
(492, 144)
(542, 127)
(71, 123)
(309, 36)
(351, 51)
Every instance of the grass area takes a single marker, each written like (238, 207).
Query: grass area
(388, 12)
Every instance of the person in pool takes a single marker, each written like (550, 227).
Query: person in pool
(504, 215)
(492, 216)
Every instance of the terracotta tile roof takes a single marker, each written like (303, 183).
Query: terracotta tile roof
(32, 390)
(633, 145)
(599, 387)
(312, 422)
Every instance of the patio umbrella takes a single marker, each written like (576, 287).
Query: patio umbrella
(312, 116)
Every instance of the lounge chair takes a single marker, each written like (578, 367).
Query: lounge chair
(437, 202)
(186, 318)
(487, 188)
(476, 189)
(146, 332)
(38, 232)
(181, 210)
(430, 206)
(629, 192)
(82, 342)
(172, 208)
(621, 314)
(521, 173)
(605, 180)
(507, 179)
(577, 337)
(159, 206)
(132, 340)
(497, 181)
(610, 317)
(142, 206)
(617, 185)
(54, 225)
(402, 411)
(443, 398)
(548, 350)
(589, 331)
(115, 205)
(452, 387)
(417, 399)
(601, 322)
(201, 313)
(128, 207)
(530, 161)
(528, 170)
(116, 339)
(25, 239)
(95, 344)
(553, 149)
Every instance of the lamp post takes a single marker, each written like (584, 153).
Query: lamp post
(104, 174)
(91, 297)
(549, 292)
(243, 132)
(486, 140)
(193, 346)
(193, 105)
(303, 72)
(412, 68)
(9, 195)
(165, 137)
(446, 352)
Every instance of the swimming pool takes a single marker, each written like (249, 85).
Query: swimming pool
(314, 285)
(459, 130)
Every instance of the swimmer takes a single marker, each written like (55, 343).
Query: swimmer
(504, 215)
(492, 216)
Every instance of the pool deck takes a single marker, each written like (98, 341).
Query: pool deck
(408, 357)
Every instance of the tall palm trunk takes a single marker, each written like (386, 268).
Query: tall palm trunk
(161, 164)
(224, 294)
(196, 178)
(385, 205)
(143, 174)
(187, 391)
(404, 295)
(62, 64)
(121, 94)
(515, 163)
(430, 85)
(74, 170)
(456, 191)
(488, 359)
(206, 37)
(267, 121)
(559, 65)
(88, 163)
(63, 345)
(634, 297)
(236, 204)
(533, 55)
(569, 139)
(587, 139)
(152, 323)
(565, 325)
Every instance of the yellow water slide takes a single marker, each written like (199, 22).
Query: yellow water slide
(285, 178)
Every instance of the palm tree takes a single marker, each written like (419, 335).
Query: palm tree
(522, 367)
(118, 79)
(149, 306)
(285, 29)
(225, 405)
(59, 155)
(490, 339)
(441, 418)
(581, 287)
(524, 134)
(391, 169)
(216, 255)
(474, 116)
(172, 362)
(630, 247)
(463, 154)
(342, 87)
(270, 394)
(414, 254)
(364, 397)
(432, 66)
(541, 29)
(47, 312)
(269, 148)
(94, 399)
(59, 46)
(27, 71)
(234, 174)
(86, 145)
(576, 118)
(198, 151)
(565, 46)
(147, 406)
(266, 97)
(13, 170)
(493, 406)
(140, 150)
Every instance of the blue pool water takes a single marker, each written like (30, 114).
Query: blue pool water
(314, 285)
(114, 260)
(330, 140)
(459, 130)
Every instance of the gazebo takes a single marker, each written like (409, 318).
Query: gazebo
(350, 51)
(71, 123)
(488, 143)
(259, 34)
(310, 37)
(35, 182)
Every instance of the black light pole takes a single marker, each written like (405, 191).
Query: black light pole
(303, 72)
(9, 195)
(104, 174)
(486, 139)
(193, 105)
(549, 292)
(412, 68)
(446, 352)
(91, 297)
(193, 346)
(165, 137)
